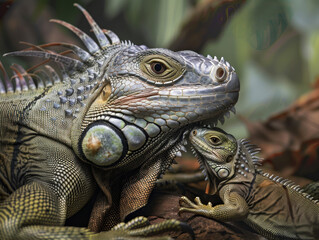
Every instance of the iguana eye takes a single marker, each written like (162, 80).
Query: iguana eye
(158, 67)
(214, 140)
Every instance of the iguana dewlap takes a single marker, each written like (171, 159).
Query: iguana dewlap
(274, 207)
(116, 107)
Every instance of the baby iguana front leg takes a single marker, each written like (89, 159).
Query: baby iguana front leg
(234, 207)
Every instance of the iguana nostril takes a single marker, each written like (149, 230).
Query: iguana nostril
(220, 74)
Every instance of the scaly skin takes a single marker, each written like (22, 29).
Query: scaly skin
(275, 208)
(120, 109)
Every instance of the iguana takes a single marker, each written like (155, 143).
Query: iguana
(274, 207)
(118, 108)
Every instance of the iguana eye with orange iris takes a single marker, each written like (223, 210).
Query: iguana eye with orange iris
(158, 67)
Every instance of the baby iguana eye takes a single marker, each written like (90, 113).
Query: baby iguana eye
(215, 140)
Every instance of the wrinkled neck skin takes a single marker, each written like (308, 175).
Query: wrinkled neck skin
(164, 148)
(130, 186)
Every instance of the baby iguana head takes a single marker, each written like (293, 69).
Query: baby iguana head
(215, 150)
(222, 157)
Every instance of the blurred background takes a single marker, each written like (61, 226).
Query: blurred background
(273, 45)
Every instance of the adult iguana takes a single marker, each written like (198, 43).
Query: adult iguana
(274, 207)
(118, 107)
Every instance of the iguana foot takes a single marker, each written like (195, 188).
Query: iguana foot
(198, 207)
(140, 228)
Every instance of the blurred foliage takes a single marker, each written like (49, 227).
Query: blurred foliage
(273, 44)
(158, 20)
(274, 49)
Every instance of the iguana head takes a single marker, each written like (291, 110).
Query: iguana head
(222, 157)
(216, 151)
(147, 97)
(127, 102)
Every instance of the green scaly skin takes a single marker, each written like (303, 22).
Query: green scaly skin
(274, 207)
(119, 109)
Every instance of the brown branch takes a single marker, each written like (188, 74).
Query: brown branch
(164, 205)
(206, 22)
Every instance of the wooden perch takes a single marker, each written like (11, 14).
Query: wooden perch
(205, 23)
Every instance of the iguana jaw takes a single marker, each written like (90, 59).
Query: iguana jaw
(209, 175)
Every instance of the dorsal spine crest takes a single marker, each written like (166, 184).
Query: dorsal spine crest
(253, 150)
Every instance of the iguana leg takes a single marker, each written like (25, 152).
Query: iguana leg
(234, 208)
(34, 212)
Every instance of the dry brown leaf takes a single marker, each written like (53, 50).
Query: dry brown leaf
(290, 140)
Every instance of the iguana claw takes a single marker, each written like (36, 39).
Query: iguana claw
(140, 228)
(137, 222)
(196, 207)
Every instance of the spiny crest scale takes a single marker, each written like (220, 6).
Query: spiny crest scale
(252, 150)
(25, 80)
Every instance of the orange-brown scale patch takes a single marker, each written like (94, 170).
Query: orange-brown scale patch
(93, 144)
(266, 183)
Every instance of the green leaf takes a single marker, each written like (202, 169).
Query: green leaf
(268, 20)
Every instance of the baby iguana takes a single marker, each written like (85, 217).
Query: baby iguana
(273, 207)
